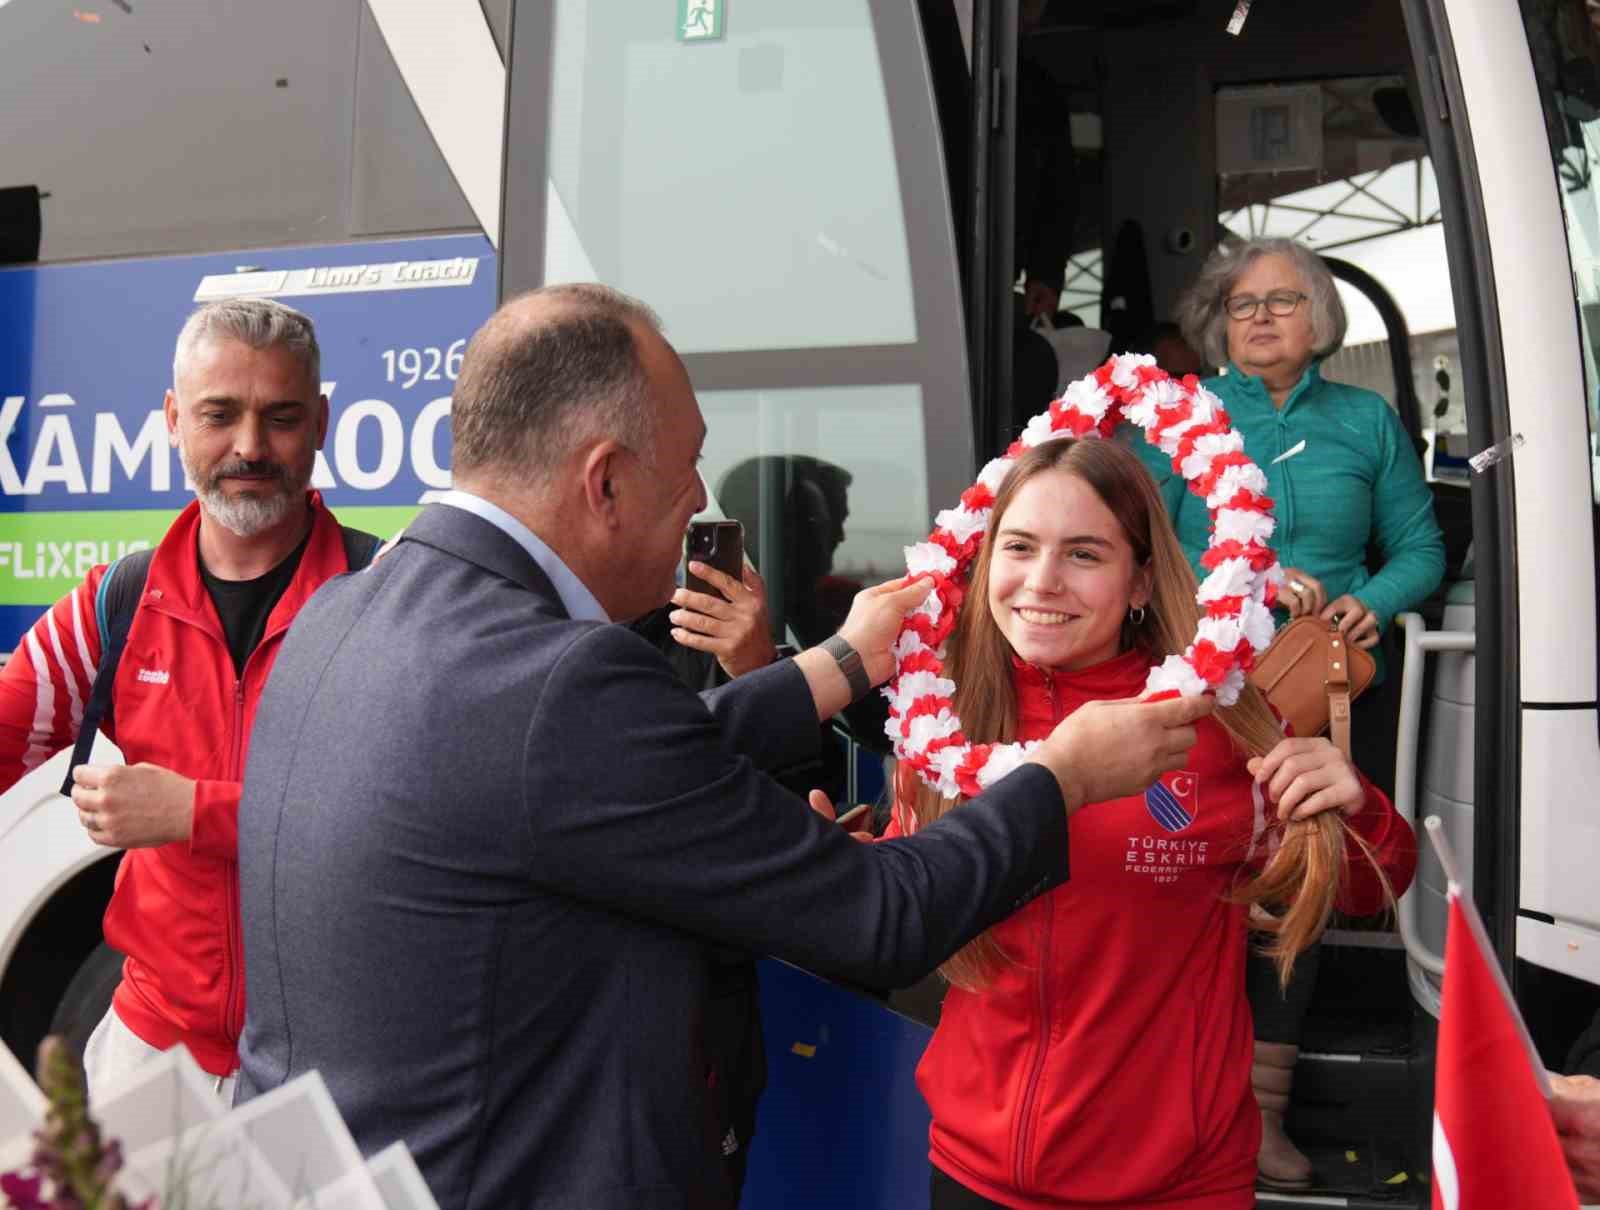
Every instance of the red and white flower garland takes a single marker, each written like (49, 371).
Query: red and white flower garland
(1188, 424)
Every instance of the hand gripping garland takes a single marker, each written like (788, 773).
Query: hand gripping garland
(1188, 424)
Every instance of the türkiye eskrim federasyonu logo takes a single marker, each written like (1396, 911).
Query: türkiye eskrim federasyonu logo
(1174, 801)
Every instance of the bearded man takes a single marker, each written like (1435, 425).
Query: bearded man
(247, 415)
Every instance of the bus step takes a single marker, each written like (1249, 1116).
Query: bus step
(1365, 1177)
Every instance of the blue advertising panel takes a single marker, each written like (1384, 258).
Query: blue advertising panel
(86, 470)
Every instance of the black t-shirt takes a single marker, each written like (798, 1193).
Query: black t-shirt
(243, 606)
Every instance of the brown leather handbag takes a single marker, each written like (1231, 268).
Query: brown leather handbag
(1310, 674)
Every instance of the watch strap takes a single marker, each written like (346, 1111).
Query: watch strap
(849, 661)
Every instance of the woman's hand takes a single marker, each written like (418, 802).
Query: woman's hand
(855, 821)
(1301, 593)
(1356, 622)
(732, 627)
(1305, 777)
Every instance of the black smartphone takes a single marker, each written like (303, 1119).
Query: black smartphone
(719, 544)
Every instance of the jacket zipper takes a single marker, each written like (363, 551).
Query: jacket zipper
(233, 1009)
(1026, 1117)
(1030, 1092)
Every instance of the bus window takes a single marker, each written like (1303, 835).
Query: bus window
(768, 178)
(817, 474)
(771, 216)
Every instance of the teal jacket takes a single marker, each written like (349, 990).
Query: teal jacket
(1354, 482)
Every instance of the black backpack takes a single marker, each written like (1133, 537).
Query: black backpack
(115, 603)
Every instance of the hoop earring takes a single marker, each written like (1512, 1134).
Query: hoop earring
(1136, 615)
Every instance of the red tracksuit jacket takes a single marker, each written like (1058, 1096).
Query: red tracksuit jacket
(1109, 1064)
(176, 703)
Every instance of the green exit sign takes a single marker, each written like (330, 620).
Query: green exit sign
(700, 20)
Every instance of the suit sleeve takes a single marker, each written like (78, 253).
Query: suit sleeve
(672, 823)
(45, 684)
(768, 716)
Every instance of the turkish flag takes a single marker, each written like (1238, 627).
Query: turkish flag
(1494, 1146)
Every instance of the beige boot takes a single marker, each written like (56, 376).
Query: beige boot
(1280, 1163)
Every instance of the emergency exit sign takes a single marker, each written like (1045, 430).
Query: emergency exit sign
(700, 20)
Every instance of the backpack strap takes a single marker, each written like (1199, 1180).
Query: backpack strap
(115, 603)
(359, 546)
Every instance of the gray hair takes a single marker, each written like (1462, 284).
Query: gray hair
(530, 393)
(259, 323)
(1204, 319)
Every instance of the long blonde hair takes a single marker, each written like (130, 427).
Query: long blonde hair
(1301, 881)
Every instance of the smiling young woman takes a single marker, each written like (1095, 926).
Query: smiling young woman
(1130, 976)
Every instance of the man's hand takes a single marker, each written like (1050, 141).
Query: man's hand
(1575, 1109)
(133, 806)
(733, 627)
(1109, 749)
(874, 622)
(856, 821)
(1304, 777)
(1357, 623)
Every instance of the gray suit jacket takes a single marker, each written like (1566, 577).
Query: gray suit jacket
(481, 846)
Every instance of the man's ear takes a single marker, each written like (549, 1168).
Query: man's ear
(602, 485)
(169, 406)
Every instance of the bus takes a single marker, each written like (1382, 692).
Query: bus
(821, 201)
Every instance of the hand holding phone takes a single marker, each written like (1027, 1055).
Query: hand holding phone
(718, 544)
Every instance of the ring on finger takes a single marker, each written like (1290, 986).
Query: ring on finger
(90, 821)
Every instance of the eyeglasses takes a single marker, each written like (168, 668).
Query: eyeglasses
(1279, 302)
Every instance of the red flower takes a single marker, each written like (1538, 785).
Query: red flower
(1205, 484)
(23, 1192)
(967, 770)
(978, 497)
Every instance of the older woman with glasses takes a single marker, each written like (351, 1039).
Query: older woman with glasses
(1346, 481)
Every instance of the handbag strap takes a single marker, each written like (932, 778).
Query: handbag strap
(1338, 686)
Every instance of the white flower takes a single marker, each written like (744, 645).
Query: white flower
(1207, 447)
(1243, 525)
(1125, 371)
(943, 765)
(1255, 620)
(926, 728)
(1174, 672)
(929, 556)
(931, 606)
(1230, 578)
(925, 684)
(1232, 479)
(1142, 411)
(1089, 397)
(1223, 633)
(1038, 430)
(908, 642)
(1232, 684)
(994, 473)
(961, 523)
(1003, 759)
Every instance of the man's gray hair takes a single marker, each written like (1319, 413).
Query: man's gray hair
(530, 393)
(1204, 318)
(259, 323)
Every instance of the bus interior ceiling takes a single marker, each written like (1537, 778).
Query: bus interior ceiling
(1149, 73)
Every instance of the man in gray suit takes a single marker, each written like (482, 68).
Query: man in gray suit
(485, 836)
